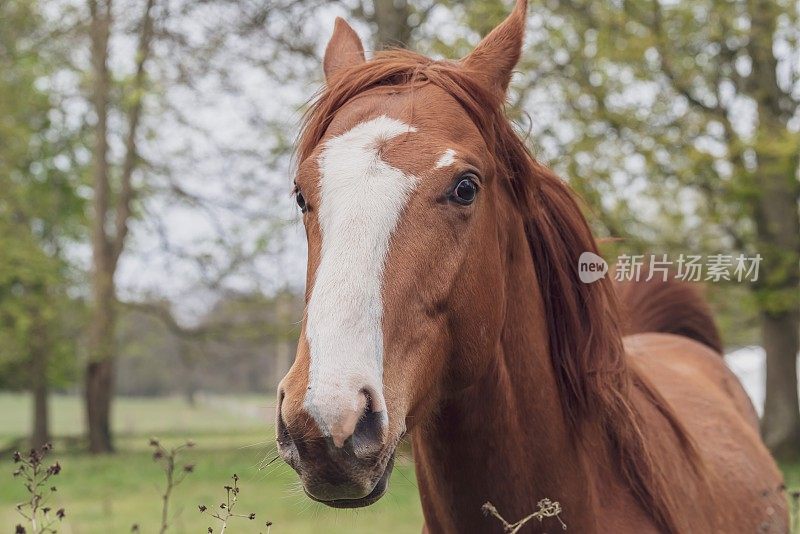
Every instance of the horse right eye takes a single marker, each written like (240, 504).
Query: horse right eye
(301, 201)
(466, 190)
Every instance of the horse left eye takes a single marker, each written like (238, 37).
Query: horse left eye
(301, 201)
(465, 191)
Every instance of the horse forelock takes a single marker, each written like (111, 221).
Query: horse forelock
(585, 341)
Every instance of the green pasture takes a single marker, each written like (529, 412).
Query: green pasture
(109, 494)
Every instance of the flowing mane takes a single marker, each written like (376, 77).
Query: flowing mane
(595, 382)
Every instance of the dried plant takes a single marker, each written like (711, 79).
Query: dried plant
(547, 508)
(226, 509)
(168, 459)
(36, 477)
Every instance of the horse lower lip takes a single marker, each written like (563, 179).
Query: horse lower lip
(376, 493)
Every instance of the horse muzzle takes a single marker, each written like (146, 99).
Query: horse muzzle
(339, 471)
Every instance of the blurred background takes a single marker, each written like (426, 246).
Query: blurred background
(152, 260)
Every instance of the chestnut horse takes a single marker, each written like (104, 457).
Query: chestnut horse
(444, 302)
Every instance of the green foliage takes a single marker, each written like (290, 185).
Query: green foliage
(40, 210)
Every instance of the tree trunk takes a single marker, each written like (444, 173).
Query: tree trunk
(41, 418)
(283, 345)
(100, 369)
(39, 388)
(778, 226)
(391, 17)
(781, 423)
(187, 357)
(777, 223)
(99, 385)
(190, 393)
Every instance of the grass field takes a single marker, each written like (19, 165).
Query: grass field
(107, 495)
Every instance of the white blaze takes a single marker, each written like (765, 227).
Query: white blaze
(362, 198)
(446, 159)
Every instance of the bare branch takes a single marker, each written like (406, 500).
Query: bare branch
(100, 30)
(134, 115)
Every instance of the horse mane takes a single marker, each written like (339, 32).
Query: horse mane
(595, 382)
(672, 306)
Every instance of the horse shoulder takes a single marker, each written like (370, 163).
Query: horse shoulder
(681, 359)
(709, 401)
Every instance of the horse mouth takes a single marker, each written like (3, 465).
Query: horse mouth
(377, 492)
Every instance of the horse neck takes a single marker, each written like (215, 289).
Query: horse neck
(504, 439)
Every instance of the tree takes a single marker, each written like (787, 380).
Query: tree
(390, 21)
(185, 57)
(775, 215)
(112, 208)
(695, 107)
(40, 213)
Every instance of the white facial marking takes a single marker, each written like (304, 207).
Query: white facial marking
(446, 159)
(362, 198)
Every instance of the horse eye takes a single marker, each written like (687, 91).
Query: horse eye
(465, 191)
(301, 201)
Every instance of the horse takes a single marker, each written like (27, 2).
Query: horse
(444, 302)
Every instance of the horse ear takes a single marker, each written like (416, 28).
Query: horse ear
(497, 54)
(344, 49)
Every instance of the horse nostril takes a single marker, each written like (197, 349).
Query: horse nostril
(283, 433)
(287, 448)
(284, 438)
(368, 436)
